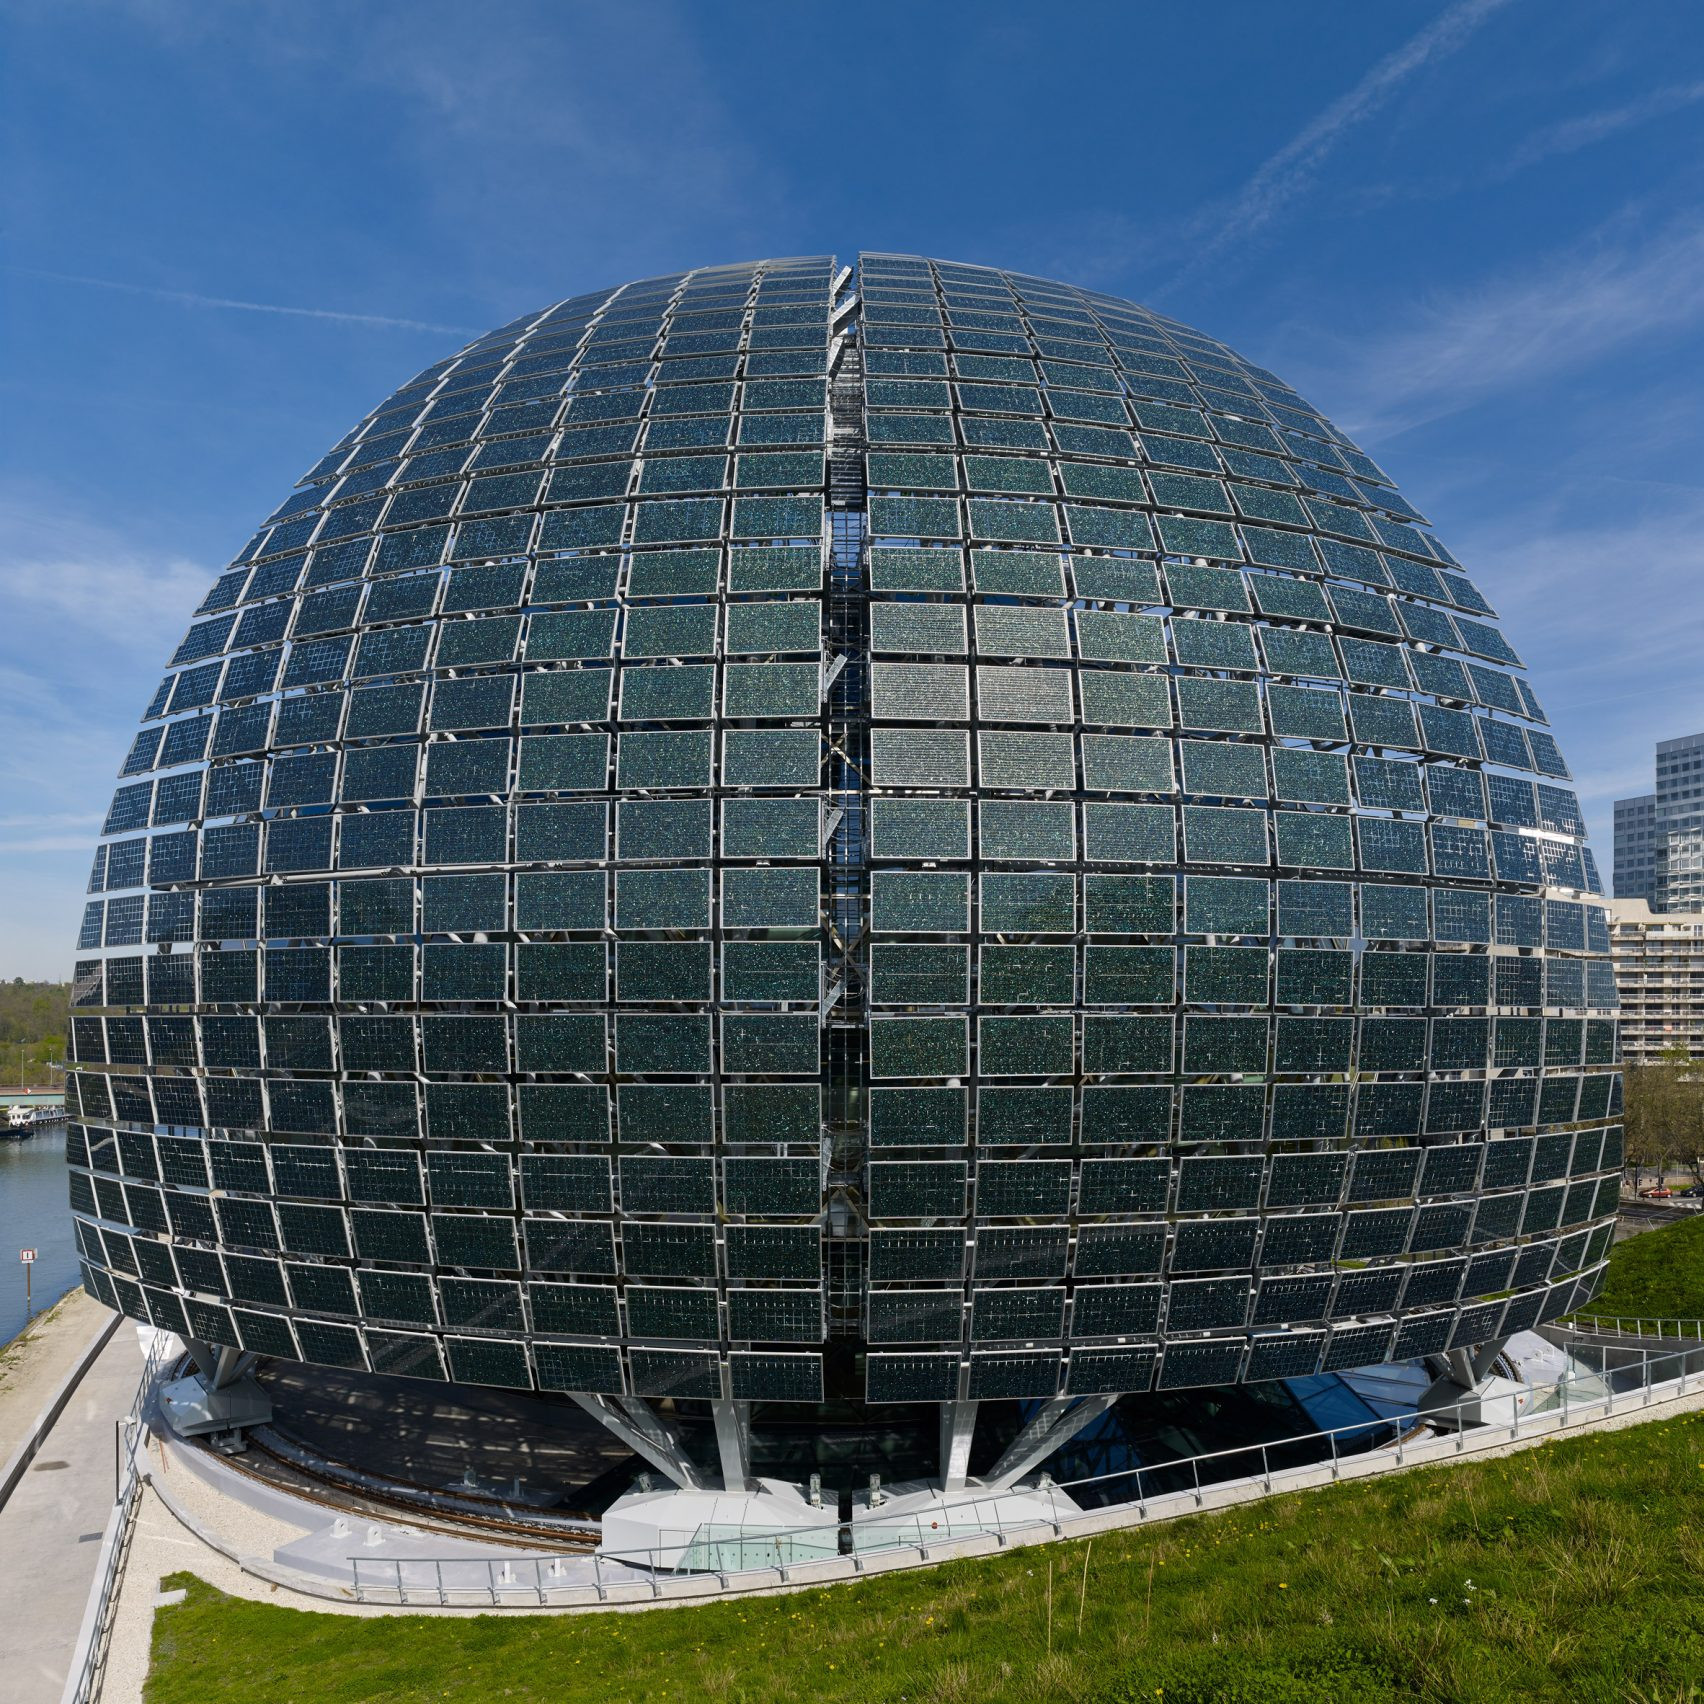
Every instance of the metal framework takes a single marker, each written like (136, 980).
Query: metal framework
(782, 835)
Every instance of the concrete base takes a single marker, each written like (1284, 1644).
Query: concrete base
(1493, 1401)
(716, 1530)
(356, 1551)
(922, 1514)
(1537, 1360)
(192, 1410)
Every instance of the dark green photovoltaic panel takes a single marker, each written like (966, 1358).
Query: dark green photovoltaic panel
(1023, 1188)
(1023, 1115)
(916, 1189)
(1162, 740)
(930, 629)
(680, 1313)
(1026, 976)
(771, 828)
(772, 1112)
(771, 757)
(913, 1378)
(920, 691)
(774, 1251)
(771, 970)
(1025, 1046)
(918, 1117)
(920, 757)
(1133, 905)
(770, 898)
(923, 1255)
(662, 830)
(1023, 830)
(756, 628)
(772, 1045)
(1226, 975)
(1121, 700)
(930, 902)
(919, 1047)
(907, 974)
(920, 828)
(916, 1316)
(1041, 903)
(1124, 1187)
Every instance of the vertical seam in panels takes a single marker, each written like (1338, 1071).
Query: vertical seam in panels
(846, 1030)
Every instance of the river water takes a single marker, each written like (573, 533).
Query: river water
(34, 1213)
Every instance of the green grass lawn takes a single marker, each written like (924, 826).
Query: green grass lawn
(1568, 1572)
(1658, 1274)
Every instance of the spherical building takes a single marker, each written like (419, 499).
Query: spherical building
(900, 834)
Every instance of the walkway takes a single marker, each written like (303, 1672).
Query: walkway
(51, 1527)
(34, 1364)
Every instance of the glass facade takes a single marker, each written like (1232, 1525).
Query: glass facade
(902, 809)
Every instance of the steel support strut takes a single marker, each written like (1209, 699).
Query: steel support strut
(1053, 1424)
(646, 1433)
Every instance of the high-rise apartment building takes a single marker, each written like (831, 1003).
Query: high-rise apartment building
(1636, 848)
(1659, 837)
(1659, 972)
(1679, 863)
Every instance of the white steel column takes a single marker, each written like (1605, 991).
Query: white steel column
(733, 1441)
(958, 1425)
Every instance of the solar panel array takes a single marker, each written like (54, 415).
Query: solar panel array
(915, 806)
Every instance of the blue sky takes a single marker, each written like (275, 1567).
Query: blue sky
(1472, 233)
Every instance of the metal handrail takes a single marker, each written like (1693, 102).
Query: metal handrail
(1616, 1325)
(651, 1565)
(83, 1681)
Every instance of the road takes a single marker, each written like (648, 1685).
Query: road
(1634, 1217)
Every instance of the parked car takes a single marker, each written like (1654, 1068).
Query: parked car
(1661, 1193)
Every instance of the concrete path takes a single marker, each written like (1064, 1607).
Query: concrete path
(35, 1362)
(50, 1529)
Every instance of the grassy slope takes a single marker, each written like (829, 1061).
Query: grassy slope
(1583, 1558)
(1658, 1274)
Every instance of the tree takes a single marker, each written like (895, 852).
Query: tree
(33, 1022)
(1664, 1117)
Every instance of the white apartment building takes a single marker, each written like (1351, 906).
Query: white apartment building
(1659, 973)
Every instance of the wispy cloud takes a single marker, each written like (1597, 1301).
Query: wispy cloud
(1512, 332)
(1603, 601)
(90, 617)
(57, 568)
(1550, 141)
(490, 113)
(1573, 134)
(194, 299)
(64, 831)
(1285, 175)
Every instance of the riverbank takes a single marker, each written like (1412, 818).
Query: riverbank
(35, 1212)
(34, 1364)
